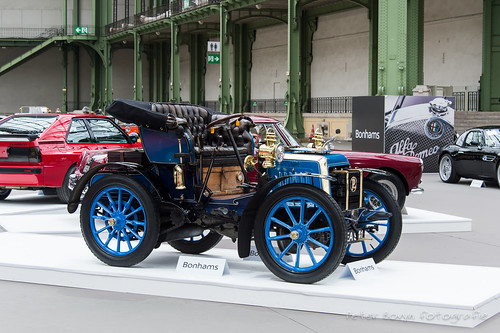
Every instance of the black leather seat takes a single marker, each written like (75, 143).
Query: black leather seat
(210, 143)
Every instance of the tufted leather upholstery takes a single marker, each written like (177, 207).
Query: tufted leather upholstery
(196, 120)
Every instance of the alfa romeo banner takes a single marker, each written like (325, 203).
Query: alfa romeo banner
(419, 126)
(413, 125)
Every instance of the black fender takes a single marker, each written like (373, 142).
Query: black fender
(245, 228)
(156, 183)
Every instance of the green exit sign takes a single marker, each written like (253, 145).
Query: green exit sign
(81, 30)
(213, 58)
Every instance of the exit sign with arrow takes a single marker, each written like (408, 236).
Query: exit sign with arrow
(213, 58)
(81, 30)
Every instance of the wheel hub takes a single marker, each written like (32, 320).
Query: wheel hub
(117, 222)
(299, 234)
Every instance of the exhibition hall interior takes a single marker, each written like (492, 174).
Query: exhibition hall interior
(220, 165)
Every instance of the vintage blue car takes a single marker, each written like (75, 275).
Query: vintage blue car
(201, 177)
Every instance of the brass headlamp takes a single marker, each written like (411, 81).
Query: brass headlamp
(318, 139)
(270, 152)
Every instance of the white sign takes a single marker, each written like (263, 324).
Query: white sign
(362, 269)
(477, 183)
(202, 266)
(213, 47)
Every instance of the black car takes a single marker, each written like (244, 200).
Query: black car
(475, 154)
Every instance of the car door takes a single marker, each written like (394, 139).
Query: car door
(469, 155)
(491, 150)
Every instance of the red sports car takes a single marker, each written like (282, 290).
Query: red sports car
(40, 151)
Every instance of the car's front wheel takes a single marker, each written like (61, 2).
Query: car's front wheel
(447, 171)
(300, 233)
(379, 225)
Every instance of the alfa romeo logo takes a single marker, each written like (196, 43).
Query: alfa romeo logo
(353, 184)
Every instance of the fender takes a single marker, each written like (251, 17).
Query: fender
(245, 228)
(152, 178)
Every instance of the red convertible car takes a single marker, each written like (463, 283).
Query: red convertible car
(398, 173)
(40, 151)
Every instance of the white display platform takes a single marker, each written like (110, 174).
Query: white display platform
(422, 221)
(419, 292)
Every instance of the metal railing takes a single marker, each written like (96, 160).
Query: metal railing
(154, 14)
(316, 105)
(466, 100)
(31, 33)
(331, 104)
(268, 105)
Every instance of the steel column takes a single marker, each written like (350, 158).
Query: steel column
(242, 67)
(65, 79)
(224, 80)
(373, 47)
(490, 83)
(175, 90)
(197, 53)
(76, 76)
(392, 47)
(294, 121)
(137, 67)
(415, 46)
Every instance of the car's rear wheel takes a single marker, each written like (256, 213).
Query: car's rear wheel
(119, 220)
(447, 171)
(63, 192)
(4, 194)
(197, 244)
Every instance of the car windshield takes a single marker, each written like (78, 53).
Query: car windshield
(26, 124)
(282, 135)
(492, 137)
(288, 136)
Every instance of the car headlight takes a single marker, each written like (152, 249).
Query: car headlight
(280, 153)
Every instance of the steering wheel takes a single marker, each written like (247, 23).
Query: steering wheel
(224, 119)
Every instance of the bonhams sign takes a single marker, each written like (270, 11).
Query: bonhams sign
(412, 125)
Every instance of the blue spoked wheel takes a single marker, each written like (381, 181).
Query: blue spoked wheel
(379, 234)
(119, 220)
(300, 233)
(198, 244)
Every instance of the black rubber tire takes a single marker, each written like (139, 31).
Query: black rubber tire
(4, 194)
(394, 185)
(151, 215)
(63, 192)
(330, 261)
(197, 246)
(395, 224)
(447, 176)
